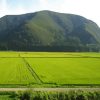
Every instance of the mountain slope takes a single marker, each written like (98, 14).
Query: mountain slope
(47, 29)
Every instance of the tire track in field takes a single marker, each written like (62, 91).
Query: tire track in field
(31, 70)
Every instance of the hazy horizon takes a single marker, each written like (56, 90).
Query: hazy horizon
(86, 8)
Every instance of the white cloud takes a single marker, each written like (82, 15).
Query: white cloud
(18, 10)
(43, 4)
(3, 7)
(86, 8)
(43, 1)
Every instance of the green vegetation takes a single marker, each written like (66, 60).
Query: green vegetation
(13, 71)
(67, 70)
(67, 95)
(48, 31)
(7, 95)
(45, 69)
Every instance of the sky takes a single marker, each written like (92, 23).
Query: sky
(86, 8)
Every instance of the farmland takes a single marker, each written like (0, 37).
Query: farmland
(49, 69)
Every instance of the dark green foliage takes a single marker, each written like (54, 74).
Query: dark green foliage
(48, 31)
(24, 95)
(69, 95)
(80, 95)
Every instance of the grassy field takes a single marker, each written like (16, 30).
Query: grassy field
(48, 69)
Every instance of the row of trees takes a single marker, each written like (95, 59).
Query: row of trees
(69, 48)
(70, 44)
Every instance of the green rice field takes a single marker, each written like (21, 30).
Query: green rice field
(49, 68)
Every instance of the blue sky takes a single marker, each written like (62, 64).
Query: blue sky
(86, 8)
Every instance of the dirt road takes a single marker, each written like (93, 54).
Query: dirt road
(50, 89)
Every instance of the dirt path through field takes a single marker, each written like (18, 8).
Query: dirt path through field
(50, 89)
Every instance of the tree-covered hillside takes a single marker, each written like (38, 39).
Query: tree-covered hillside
(48, 31)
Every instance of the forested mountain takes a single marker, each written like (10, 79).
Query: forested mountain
(48, 31)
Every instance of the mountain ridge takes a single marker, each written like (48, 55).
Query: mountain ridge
(48, 29)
